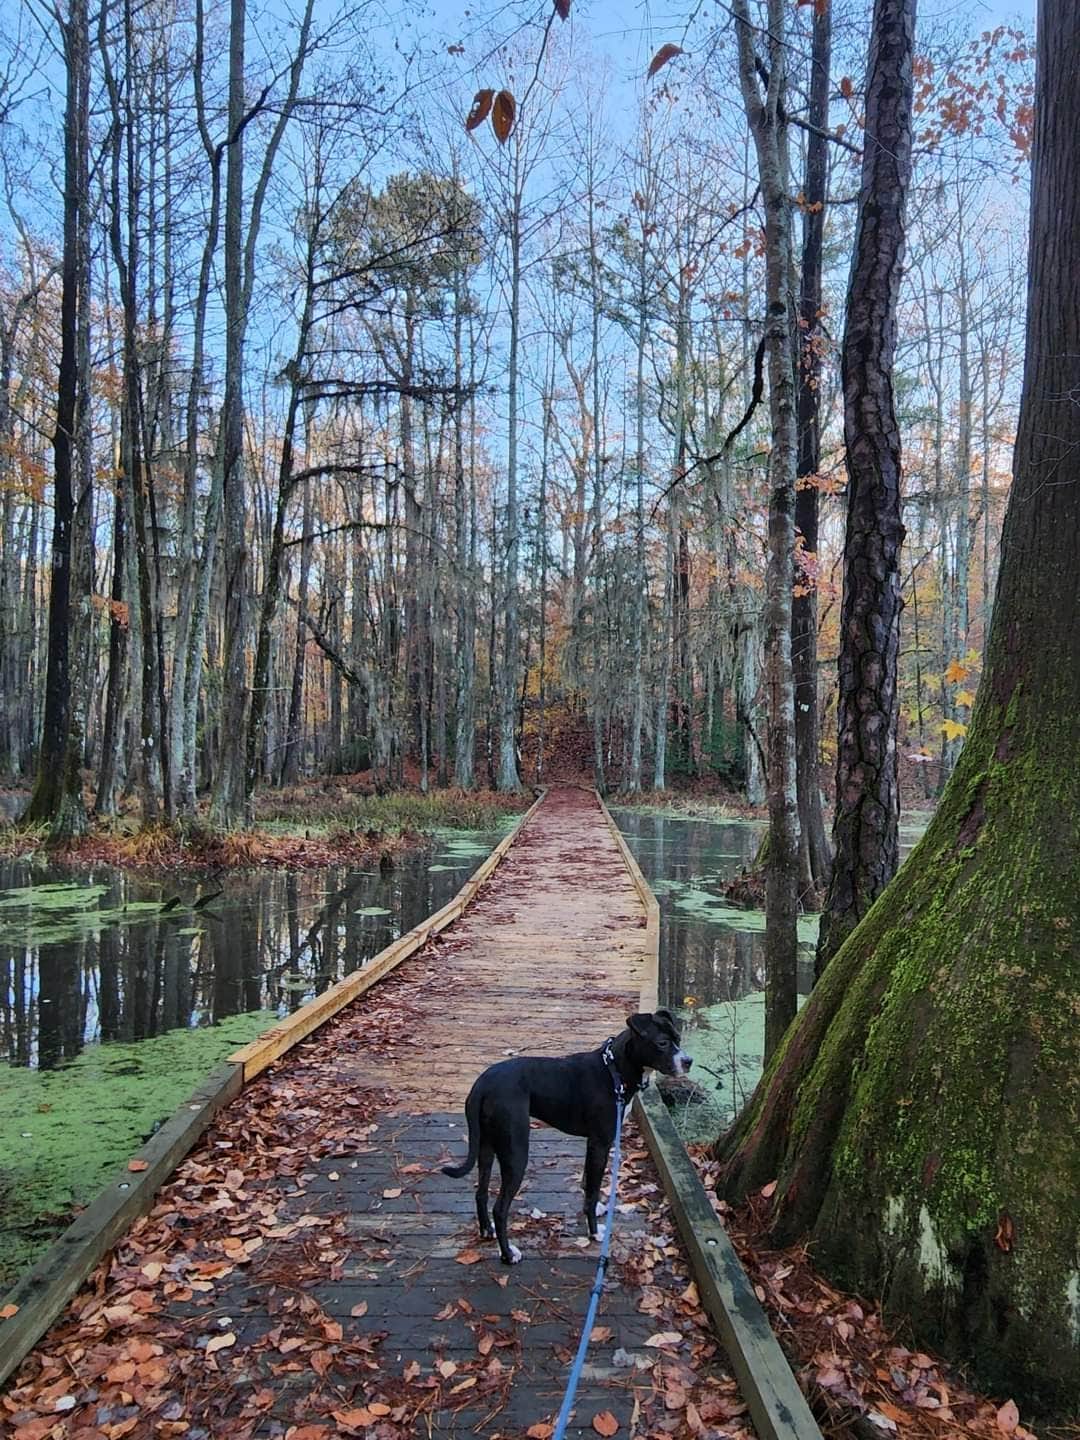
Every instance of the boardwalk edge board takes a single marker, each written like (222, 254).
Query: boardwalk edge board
(46, 1288)
(42, 1293)
(649, 999)
(777, 1406)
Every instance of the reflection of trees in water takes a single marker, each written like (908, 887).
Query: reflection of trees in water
(131, 982)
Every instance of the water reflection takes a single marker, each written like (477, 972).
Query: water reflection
(95, 957)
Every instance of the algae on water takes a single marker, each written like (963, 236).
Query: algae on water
(64, 1132)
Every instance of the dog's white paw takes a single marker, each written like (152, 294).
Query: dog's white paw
(515, 1255)
(601, 1231)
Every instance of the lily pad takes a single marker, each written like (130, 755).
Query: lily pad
(372, 910)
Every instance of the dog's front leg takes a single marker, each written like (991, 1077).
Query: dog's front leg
(596, 1159)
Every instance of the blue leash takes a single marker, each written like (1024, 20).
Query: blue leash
(601, 1265)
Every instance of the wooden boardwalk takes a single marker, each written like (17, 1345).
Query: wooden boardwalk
(309, 1272)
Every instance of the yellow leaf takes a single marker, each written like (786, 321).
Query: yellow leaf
(965, 697)
(953, 729)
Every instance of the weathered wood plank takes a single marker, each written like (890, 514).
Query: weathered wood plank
(44, 1290)
(777, 1405)
(650, 980)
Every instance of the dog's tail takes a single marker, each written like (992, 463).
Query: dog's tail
(472, 1116)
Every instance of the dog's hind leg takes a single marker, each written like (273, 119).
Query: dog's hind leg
(596, 1158)
(512, 1163)
(483, 1179)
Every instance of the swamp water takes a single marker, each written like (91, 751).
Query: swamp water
(119, 993)
(712, 954)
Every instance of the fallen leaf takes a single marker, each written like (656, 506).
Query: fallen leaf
(8, 1311)
(220, 1342)
(354, 1419)
(767, 1191)
(663, 1337)
(605, 1423)
(379, 1409)
(136, 1165)
(600, 1333)
(392, 1193)
(1008, 1417)
(446, 1368)
(540, 1431)
(468, 1257)
(464, 1385)
(358, 1310)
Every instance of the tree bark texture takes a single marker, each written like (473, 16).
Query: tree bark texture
(866, 824)
(815, 855)
(764, 112)
(922, 1115)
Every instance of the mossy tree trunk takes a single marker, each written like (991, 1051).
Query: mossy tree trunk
(923, 1115)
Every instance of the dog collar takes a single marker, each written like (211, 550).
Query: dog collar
(622, 1094)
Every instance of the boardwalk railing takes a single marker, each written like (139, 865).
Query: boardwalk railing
(40, 1295)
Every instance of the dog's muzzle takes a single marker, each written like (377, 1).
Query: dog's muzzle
(682, 1062)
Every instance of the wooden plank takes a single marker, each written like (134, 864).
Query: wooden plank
(281, 1038)
(650, 980)
(44, 1290)
(777, 1405)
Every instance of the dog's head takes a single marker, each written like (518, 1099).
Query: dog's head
(655, 1043)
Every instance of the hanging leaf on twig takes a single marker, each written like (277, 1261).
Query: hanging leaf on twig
(480, 106)
(562, 9)
(502, 116)
(662, 56)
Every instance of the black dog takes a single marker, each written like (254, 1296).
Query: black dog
(576, 1094)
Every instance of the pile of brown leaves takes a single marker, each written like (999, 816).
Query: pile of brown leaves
(848, 1361)
(164, 848)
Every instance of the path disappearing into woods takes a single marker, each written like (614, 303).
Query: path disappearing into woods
(309, 1272)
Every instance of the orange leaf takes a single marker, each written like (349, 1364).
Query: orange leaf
(480, 106)
(136, 1165)
(767, 1191)
(659, 60)
(956, 671)
(605, 1423)
(540, 1431)
(502, 116)
(847, 89)
(8, 1311)
(392, 1194)
(354, 1419)
(358, 1310)
(562, 9)
(468, 1257)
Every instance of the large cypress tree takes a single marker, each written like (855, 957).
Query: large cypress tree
(923, 1115)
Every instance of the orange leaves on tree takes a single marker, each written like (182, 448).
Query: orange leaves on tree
(663, 55)
(955, 672)
(847, 89)
(501, 107)
(562, 9)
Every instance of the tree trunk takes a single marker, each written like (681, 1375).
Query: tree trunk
(782, 877)
(922, 1116)
(51, 800)
(815, 856)
(866, 825)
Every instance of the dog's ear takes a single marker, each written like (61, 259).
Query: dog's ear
(665, 1017)
(639, 1023)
